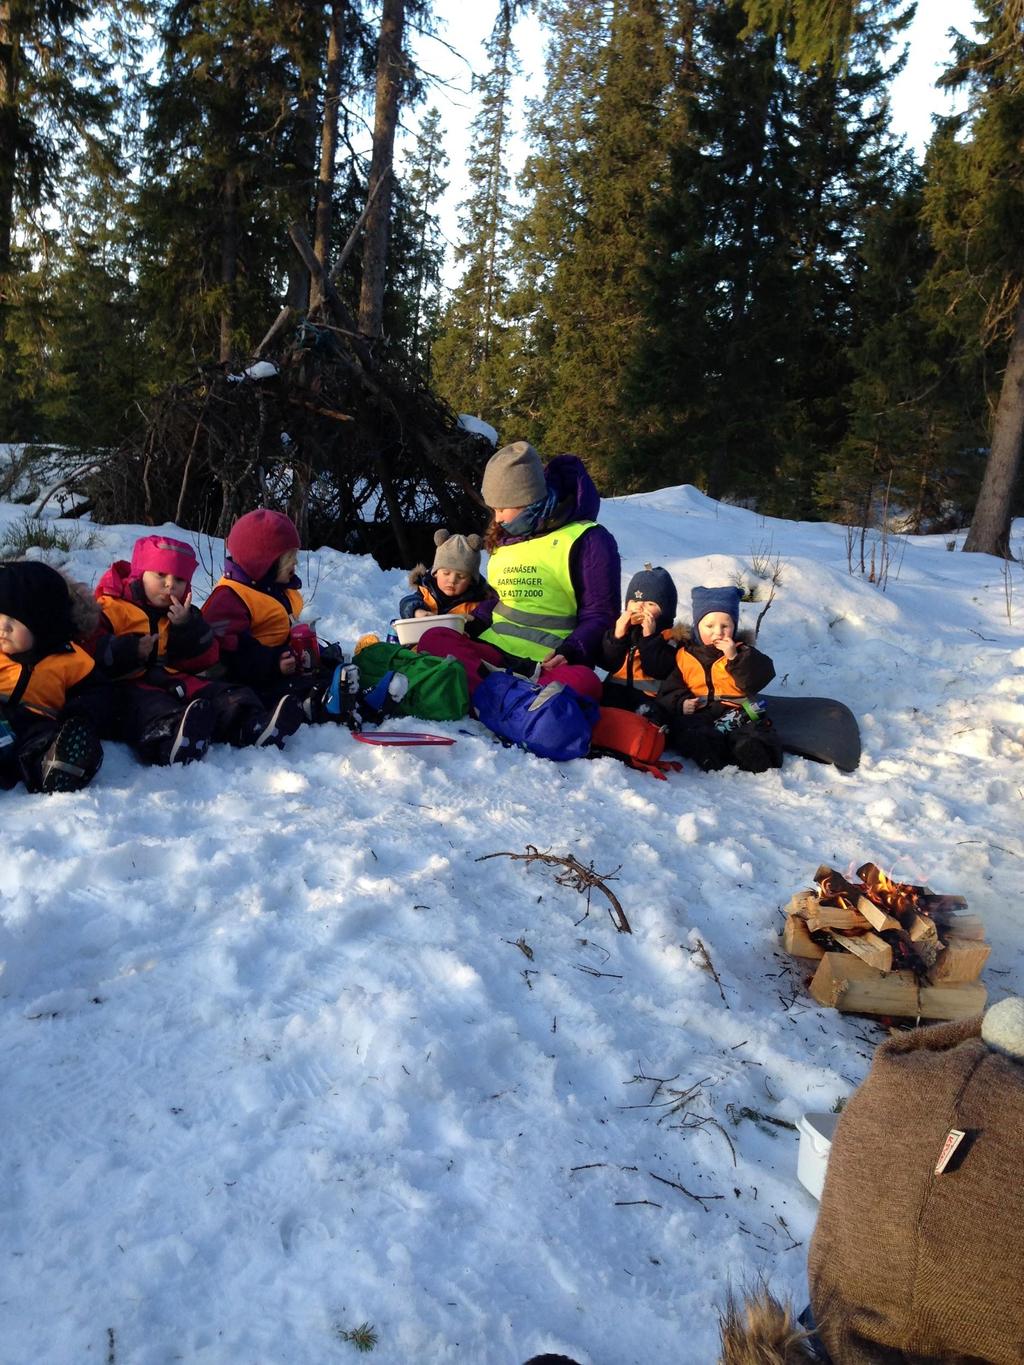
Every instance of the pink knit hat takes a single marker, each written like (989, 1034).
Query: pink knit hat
(162, 554)
(258, 540)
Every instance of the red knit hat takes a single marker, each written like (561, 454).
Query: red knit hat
(163, 554)
(258, 540)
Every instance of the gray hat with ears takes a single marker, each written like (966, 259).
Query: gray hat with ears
(514, 477)
(458, 553)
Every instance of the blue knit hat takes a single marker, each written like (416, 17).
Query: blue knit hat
(707, 600)
(654, 585)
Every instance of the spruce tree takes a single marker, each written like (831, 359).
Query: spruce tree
(609, 109)
(468, 355)
(421, 278)
(58, 110)
(974, 207)
(740, 384)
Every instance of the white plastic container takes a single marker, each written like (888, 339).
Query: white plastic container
(410, 630)
(815, 1144)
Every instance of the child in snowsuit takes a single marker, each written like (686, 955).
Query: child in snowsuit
(155, 644)
(53, 702)
(714, 672)
(253, 611)
(454, 583)
(638, 651)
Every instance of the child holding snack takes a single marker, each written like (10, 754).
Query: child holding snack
(703, 699)
(155, 644)
(53, 701)
(639, 651)
(453, 584)
(254, 613)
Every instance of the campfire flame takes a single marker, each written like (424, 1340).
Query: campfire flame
(901, 900)
(896, 897)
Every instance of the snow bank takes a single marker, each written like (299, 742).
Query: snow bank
(283, 1057)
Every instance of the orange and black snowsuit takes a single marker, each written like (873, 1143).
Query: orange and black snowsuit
(42, 687)
(637, 665)
(181, 653)
(53, 700)
(152, 694)
(252, 624)
(703, 671)
(37, 694)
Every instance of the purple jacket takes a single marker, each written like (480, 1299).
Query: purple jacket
(594, 568)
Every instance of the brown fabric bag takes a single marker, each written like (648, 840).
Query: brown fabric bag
(907, 1267)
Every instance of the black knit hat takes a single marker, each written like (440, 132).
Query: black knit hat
(707, 600)
(37, 596)
(654, 585)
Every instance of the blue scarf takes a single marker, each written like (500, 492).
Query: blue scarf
(531, 519)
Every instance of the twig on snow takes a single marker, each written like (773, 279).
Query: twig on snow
(709, 966)
(576, 875)
(701, 1199)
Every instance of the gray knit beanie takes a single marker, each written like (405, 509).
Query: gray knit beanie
(458, 553)
(514, 477)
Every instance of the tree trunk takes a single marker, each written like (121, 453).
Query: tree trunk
(228, 261)
(323, 214)
(390, 65)
(8, 131)
(990, 525)
(299, 285)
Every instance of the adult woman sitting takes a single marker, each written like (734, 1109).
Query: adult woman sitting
(556, 573)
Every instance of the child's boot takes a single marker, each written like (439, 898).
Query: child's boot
(338, 699)
(385, 699)
(192, 737)
(755, 751)
(277, 724)
(73, 759)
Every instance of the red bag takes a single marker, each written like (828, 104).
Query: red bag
(634, 739)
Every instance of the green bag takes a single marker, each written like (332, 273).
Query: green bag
(438, 689)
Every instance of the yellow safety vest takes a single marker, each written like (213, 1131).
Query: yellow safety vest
(536, 607)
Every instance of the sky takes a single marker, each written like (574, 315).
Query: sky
(466, 27)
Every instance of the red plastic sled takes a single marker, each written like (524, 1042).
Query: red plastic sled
(399, 738)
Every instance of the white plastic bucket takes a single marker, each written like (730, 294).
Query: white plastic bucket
(815, 1144)
(410, 630)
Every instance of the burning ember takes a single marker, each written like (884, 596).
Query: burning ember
(888, 947)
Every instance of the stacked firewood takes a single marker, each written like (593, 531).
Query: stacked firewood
(887, 947)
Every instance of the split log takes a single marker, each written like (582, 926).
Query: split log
(837, 884)
(870, 948)
(797, 941)
(845, 983)
(837, 917)
(943, 905)
(803, 903)
(874, 914)
(961, 960)
(962, 926)
(925, 937)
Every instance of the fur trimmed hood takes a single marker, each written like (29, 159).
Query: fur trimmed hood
(761, 1331)
(85, 610)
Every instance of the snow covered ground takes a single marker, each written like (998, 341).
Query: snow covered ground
(283, 1058)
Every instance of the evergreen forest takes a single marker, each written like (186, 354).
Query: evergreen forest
(720, 265)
